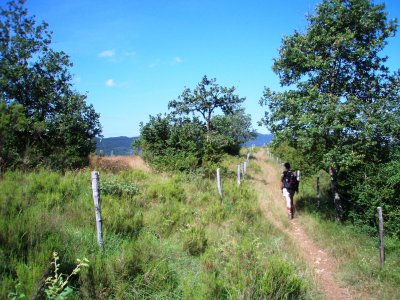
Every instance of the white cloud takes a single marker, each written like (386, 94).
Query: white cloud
(107, 54)
(130, 53)
(177, 60)
(154, 64)
(110, 83)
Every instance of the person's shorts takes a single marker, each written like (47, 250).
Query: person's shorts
(287, 193)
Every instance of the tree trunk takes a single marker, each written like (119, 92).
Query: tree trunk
(208, 124)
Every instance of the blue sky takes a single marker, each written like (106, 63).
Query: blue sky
(133, 57)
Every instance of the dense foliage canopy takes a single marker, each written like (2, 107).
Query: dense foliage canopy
(43, 121)
(205, 99)
(181, 141)
(342, 108)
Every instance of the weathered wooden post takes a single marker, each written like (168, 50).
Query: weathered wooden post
(318, 195)
(245, 167)
(337, 201)
(248, 156)
(382, 245)
(97, 206)
(298, 180)
(219, 184)
(238, 175)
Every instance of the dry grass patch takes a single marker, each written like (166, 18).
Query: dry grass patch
(118, 163)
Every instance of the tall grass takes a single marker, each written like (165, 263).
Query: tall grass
(166, 236)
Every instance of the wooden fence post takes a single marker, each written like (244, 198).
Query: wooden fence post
(238, 175)
(382, 245)
(337, 201)
(245, 167)
(219, 184)
(318, 194)
(97, 206)
(298, 180)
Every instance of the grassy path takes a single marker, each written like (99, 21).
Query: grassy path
(273, 207)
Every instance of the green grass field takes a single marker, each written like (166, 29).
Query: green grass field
(166, 236)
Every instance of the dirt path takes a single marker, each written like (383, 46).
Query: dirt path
(273, 208)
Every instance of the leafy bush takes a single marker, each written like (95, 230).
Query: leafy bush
(169, 191)
(58, 286)
(112, 186)
(296, 159)
(176, 142)
(362, 188)
(377, 185)
(170, 144)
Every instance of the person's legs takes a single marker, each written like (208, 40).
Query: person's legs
(289, 202)
(291, 194)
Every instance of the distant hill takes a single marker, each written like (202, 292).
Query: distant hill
(122, 145)
(260, 140)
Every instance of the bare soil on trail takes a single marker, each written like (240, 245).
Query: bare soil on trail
(274, 209)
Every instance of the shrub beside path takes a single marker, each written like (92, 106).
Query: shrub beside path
(273, 208)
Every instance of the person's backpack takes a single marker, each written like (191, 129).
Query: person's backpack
(290, 181)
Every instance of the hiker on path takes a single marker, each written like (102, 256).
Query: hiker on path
(289, 186)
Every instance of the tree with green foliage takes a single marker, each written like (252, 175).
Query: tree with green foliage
(233, 130)
(50, 124)
(177, 142)
(342, 109)
(205, 99)
(172, 144)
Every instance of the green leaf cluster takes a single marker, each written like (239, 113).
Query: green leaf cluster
(341, 107)
(57, 285)
(193, 135)
(205, 99)
(43, 121)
